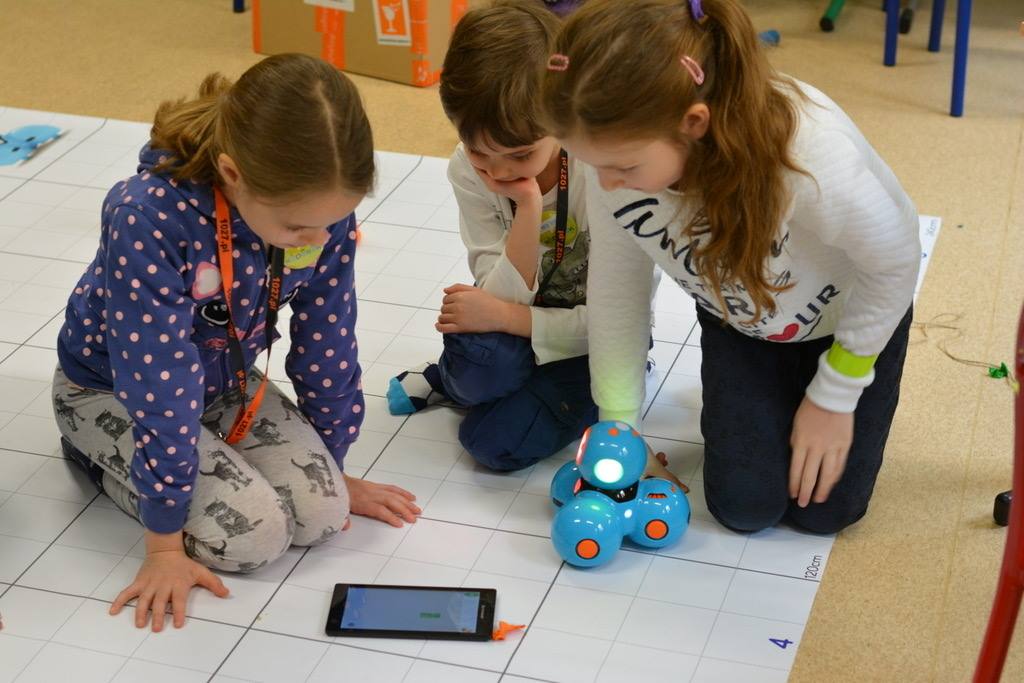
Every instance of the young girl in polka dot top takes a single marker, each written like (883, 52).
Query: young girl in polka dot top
(157, 393)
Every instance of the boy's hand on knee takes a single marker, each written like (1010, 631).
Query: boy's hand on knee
(471, 309)
(164, 580)
(821, 441)
(385, 502)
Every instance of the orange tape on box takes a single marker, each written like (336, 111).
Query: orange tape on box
(257, 31)
(331, 24)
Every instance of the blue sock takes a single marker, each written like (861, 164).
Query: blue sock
(414, 390)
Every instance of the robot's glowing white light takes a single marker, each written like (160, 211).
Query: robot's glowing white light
(608, 471)
(627, 514)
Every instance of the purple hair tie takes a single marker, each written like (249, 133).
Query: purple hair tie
(697, 11)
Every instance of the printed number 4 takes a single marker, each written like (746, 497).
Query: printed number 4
(781, 643)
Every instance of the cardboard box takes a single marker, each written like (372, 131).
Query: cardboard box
(398, 40)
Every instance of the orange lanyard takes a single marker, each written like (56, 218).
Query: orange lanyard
(247, 412)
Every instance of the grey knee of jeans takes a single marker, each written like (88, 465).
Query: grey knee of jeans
(314, 527)
(269, 538)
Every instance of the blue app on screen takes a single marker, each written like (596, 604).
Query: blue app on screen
(390, 609)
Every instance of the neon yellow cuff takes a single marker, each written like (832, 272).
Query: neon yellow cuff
(846, 363)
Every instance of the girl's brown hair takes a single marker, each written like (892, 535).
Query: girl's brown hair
(293, 124)
(491, 79)
(625, 81)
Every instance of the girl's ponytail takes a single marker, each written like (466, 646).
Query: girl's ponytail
(188, 129)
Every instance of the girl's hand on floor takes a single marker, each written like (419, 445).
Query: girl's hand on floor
(471, 309)
(164, 580)
(385, 502)
(821, 441)
(657, 466)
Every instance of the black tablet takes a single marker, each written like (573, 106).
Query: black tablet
(370, 611)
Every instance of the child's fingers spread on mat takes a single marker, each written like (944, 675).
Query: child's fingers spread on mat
(382, 513)
(123, 598)
(160, 609)
(212, 582)
(400, 491)
(657, 466)
(142, 607)
(403, 509)
(178, 607)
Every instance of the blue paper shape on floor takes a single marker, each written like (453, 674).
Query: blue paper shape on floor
(22, 143)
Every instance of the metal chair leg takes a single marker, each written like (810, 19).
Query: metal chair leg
(935, 35)
(892, 25)
(963, 30)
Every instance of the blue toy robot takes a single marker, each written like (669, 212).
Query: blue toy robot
(602, 499)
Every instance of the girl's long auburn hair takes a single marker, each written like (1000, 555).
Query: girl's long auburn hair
(625, 82)
(293, 124)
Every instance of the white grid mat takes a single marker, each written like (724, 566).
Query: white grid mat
(717, 606)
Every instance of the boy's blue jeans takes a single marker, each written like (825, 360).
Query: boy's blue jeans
(519, 412)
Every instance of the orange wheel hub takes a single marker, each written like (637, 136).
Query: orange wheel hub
(588, 548)
(656, 529)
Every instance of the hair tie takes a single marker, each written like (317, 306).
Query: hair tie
(558, 62)
(697, 11)
(691, 65)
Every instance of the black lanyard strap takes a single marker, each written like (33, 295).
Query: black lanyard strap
(561, 221)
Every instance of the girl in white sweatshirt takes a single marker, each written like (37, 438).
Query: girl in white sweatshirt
(764, 202)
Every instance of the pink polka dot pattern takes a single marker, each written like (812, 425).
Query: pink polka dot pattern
(163, 353)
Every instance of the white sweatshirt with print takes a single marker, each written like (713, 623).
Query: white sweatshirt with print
(848, 242)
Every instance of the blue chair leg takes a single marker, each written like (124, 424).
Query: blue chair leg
(963, 29)
(935, 35)
(239, 5)
(892, 27)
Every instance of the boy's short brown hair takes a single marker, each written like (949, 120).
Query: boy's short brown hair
(492, 75)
